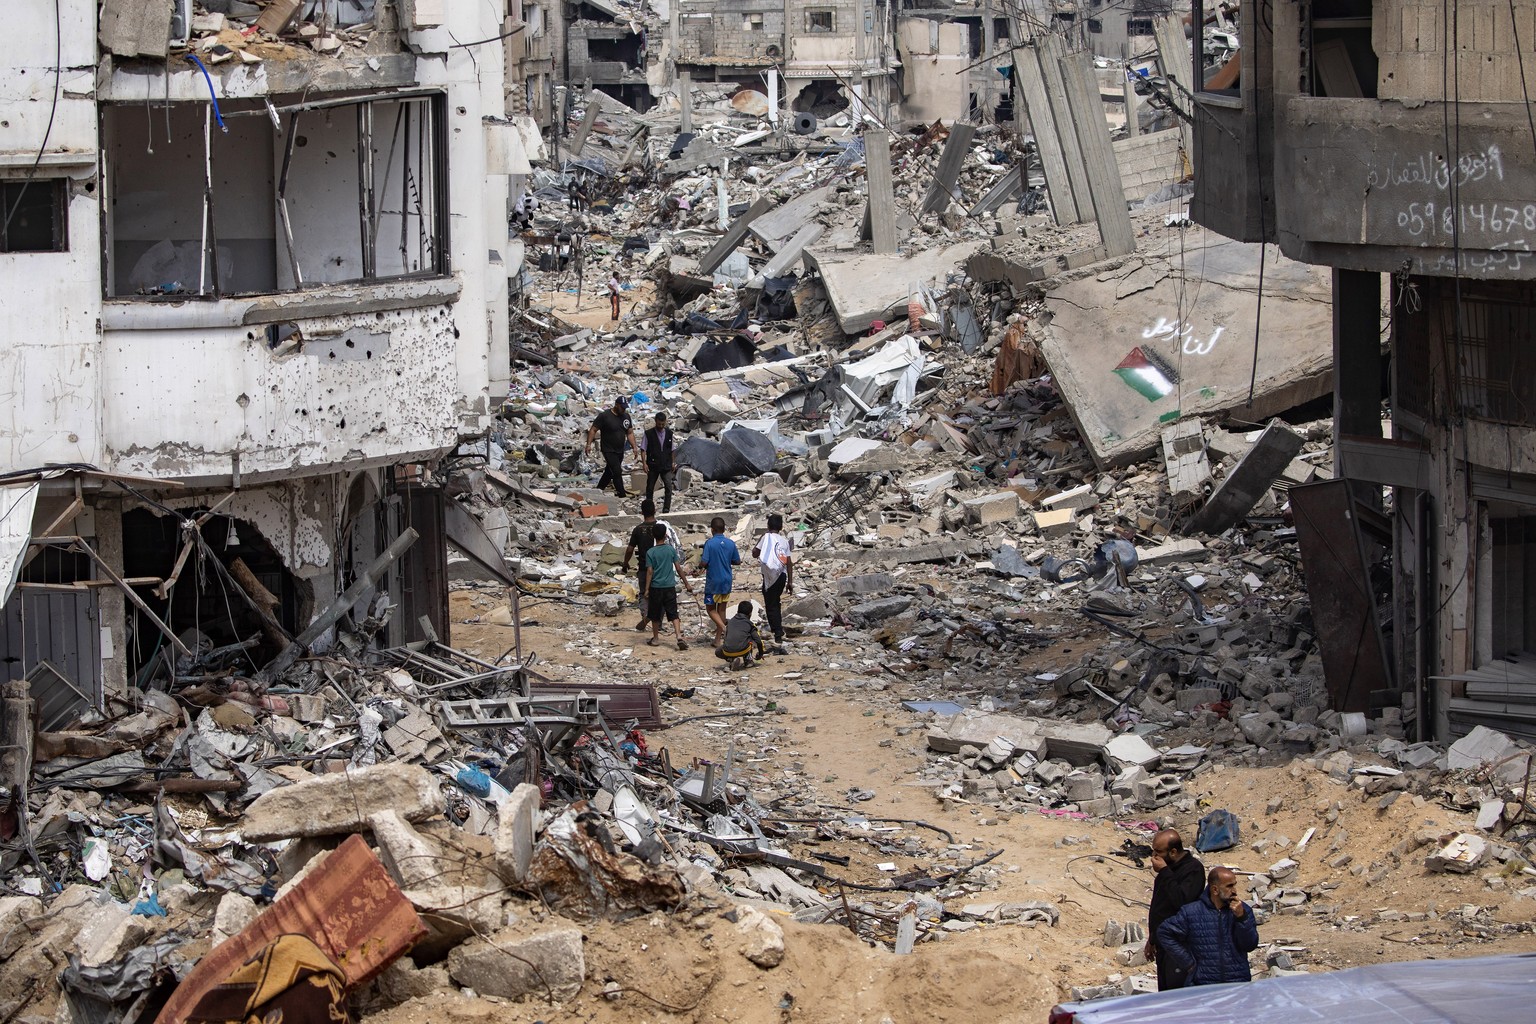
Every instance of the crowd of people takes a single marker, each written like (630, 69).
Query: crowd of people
(655, 549)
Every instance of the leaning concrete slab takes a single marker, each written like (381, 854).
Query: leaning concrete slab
(710, 261)
(793, 250)
(1248, 481)
(1137, 347)
(782, 223)
(867, 288)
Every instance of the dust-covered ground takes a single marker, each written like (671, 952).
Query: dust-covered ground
(824, 719)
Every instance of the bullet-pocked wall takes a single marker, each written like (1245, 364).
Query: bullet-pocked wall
(50, 247)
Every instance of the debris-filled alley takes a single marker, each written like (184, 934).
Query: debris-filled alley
(1020, 389)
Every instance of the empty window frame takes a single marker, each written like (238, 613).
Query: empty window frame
(820, 19)
(752, 22)
(33, 215)
(342, 192)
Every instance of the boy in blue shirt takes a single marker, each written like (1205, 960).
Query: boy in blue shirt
(719, 555)
(660, 593)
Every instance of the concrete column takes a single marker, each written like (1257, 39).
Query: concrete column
(110, 603)
(1132, 101)
(1357, 365)
(1052, 131)
(773, 96)
(988, 44)
(685, 97)
(1104, 183)
(882, 196)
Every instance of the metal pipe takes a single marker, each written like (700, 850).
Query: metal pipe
(365, 186)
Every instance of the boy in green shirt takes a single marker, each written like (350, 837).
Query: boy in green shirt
(660, 593)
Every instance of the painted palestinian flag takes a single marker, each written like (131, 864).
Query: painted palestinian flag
(1149, 375)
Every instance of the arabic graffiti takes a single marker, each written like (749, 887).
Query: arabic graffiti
(1433, 170)
(1184, 333)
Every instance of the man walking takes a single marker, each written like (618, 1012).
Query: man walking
(657, 445)
(613, 296)
(719, 556)
(639, 544)
(613, 429)
(660, 593)
(773, 553)
(742, 644)
(1179, 879)
(1212, 937)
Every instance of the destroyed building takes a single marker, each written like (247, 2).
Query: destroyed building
(249, 306)
(610, 46)
(535, 58)
(1390, 142)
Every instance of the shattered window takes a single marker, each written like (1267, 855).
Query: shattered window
(32, 215)
(819, 21)
(289, 196)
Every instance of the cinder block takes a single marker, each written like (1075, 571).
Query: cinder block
(1056, 523)
(998, 507)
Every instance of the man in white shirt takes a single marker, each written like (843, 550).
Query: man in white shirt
(774, 553)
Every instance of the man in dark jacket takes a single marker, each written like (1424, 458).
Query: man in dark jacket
(657, 445)
(1212, 936)
(1179, 880)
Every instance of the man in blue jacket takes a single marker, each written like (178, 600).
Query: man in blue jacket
(1212, 936)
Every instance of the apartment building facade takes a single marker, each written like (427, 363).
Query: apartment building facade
(253, 291)
(1391, 140)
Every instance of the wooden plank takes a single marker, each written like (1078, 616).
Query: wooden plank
(278, 16)
(1104, 187)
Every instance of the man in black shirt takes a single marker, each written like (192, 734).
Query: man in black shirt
(1180, 879)
(612, 429)
(640, 542)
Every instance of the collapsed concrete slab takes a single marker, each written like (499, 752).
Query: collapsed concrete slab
(1131, 352)
(869, 288)
(343, 802)
(1245, 485)
(972, 728)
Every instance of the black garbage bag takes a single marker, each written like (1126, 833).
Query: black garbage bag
(711, 458)
(724, 355)
(755, 450)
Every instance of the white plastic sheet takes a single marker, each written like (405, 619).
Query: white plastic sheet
(1480, 990)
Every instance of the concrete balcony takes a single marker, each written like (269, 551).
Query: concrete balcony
(1364, 184)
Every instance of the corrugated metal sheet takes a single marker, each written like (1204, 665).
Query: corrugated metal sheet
(60, 628)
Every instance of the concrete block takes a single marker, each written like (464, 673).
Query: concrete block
(515, 963)
(1460, 855)
(1130, 749)
(1080, 786)
(1078, 744)
(998, 507)
(515, 832)
(1077, 499)
(1055, 523)
(864, 584)
(1171, 553)
(870, 613)
(342, 802)
(762, 940)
